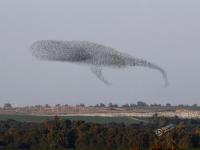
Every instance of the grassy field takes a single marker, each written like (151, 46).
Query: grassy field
(96, 119)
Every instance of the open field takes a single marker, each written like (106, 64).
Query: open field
(96, 119)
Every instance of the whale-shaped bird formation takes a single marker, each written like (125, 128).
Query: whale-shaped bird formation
(93, 54)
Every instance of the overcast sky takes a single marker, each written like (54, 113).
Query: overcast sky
(165, 32)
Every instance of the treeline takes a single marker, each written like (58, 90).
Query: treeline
(66, 134)
(138, 104)
(141, 104)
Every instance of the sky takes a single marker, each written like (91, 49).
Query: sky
(166, 33)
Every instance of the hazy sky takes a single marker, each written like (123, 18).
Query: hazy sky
(164, 32)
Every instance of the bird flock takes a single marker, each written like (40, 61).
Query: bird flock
(92, 54)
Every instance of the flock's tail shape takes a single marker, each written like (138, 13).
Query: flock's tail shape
(84, 52)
